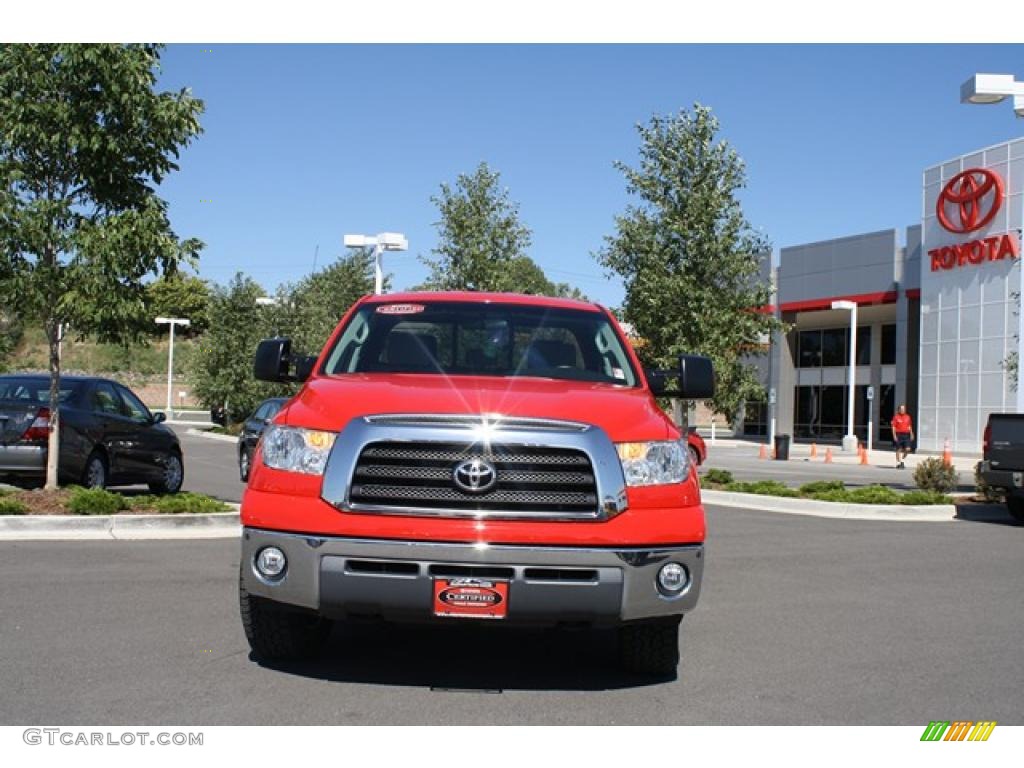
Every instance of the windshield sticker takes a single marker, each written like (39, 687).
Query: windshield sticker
(400, 309)
(618, 373)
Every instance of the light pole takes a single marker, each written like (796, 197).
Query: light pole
(171, 321)
(987, 88)
(850, 439)
(385, 241)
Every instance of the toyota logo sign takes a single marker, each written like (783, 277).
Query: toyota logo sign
(970, 200)
(475, 476)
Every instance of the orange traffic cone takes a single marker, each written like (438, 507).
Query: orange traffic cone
(828, 455)
(763, 453)
(863, 455)
(947, 454)
(814, 450)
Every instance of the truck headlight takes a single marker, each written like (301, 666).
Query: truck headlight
(656, 463)
(294, 449)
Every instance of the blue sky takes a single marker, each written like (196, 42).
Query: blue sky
(304, 143)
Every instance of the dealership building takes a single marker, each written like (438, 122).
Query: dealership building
(937, 308)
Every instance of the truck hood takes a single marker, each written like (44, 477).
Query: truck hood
(625, 413)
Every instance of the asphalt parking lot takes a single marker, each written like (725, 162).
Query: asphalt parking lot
(801, 620)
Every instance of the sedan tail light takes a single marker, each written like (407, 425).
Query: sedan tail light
(986, 439)
(39, 429)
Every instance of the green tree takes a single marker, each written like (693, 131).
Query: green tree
(480, 235)
(221, 370)
(178, 295)
(688, 257)
(84, 141)
(310, 310)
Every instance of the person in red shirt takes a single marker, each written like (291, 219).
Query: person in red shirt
(902, 435)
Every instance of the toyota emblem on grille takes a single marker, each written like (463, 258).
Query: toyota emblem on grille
(475, 476)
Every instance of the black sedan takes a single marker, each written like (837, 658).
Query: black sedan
(107, 435)
(252, 429)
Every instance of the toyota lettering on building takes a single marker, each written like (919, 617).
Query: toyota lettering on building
(967, 203)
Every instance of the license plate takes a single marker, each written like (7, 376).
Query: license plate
(471, 598)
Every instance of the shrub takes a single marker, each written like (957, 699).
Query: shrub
(186, 503)
(95, 501)
(821, 486)
(764, 488)
(934, 475)
(924, 497)
(718, 476)
(12, 507)
(873, 494)
(983, 489)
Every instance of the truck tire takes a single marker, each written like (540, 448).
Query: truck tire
(650, 648)
(278, 633)
(1015, 506)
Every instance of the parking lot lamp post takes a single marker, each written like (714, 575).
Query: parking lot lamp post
(171, 321)
(987, 88)
(850, 439)
(385, 241)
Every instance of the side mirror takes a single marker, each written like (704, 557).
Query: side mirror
(159, 417)
(696, 377)
(693, 380)
(304, 367)
(272, 358)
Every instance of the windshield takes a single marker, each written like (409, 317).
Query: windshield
(482, 340)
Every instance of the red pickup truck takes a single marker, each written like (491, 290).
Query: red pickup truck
(474, 457)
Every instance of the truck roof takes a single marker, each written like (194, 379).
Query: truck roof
(484, 297)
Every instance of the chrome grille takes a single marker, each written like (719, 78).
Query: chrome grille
(418, 477)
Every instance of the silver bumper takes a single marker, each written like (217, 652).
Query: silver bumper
(23, 459)
(393, 580)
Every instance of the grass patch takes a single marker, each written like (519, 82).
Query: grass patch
(830, 490)
(12, 507)
(95, 501)
(184, 503)
(717, 477)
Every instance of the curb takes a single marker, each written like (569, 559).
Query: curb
(215, 525)
(211, 435)
(903, 513)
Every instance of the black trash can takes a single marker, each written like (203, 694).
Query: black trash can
(782, 447)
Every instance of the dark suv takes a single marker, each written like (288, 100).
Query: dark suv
(252, 429)
(107, 435)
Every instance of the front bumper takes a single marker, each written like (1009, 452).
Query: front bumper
(393, 580)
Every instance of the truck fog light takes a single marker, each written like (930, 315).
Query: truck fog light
(271, 562)
(672, 579)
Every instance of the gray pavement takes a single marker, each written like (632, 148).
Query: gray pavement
(211, 466)
(802, 620)
(742, 460)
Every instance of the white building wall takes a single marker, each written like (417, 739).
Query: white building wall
(969, 314)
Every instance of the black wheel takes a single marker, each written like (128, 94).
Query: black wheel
(695, 455)
(244, 460)
(173, 475)
(278, 633)
(650, 648)
(1015, 505)
(95, 473)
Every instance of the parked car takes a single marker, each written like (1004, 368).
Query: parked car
(1002, 464)
(251, 431)
(474, 457)
(107, 435)
(698, 448)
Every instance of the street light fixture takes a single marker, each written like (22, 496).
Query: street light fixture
(171, 321)
(850, 439)
(385, 241)
(985, 88)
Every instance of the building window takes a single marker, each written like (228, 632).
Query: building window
(888, 345)
(809, 349)
(833, 347)
(755, 419)
(821, 412)
(863, 345)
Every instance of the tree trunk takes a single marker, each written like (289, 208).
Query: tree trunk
(53, 334)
